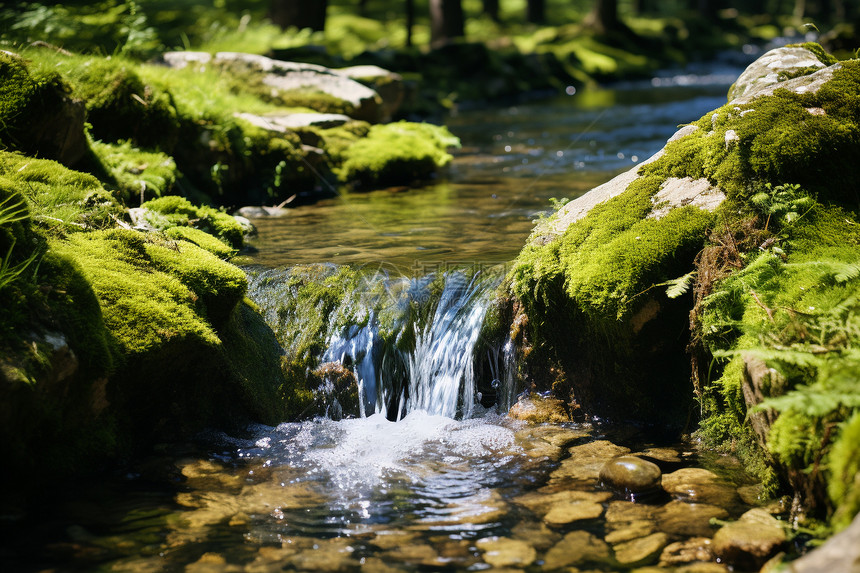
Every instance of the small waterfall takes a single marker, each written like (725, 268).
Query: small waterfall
(441, 367)
(411, 343)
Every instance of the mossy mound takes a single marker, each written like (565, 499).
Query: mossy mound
(112, 338)
(396, 153)
(172, 211)
(137, 175)
(770, 326)
(37, 114)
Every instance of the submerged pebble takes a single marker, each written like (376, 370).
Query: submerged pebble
(630, 476)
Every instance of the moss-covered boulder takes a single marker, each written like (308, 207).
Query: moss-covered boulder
(111, 337)
(738, 244)
(294, 84)
(38, 114)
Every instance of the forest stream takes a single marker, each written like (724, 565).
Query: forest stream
(432, 475)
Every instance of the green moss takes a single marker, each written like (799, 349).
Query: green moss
(778, 141)
(28, 95)
(120, 105)
(172, 211)
(397, 153)
(59, 198)
(820, 52)
(203, 240)
(137, 174)
(154, 294)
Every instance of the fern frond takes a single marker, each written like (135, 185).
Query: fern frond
(680, 285)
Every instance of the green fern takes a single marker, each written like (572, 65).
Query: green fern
(680, 285)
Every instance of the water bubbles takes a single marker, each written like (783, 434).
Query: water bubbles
(619, 155)
(495, 384)
(570, 90)
(507, 148)
(634, 158)
(559, 153)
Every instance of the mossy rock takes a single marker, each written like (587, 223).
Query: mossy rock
(173, 211)
(38, 116)
(119, 104)
(590, 277)
(396, 153)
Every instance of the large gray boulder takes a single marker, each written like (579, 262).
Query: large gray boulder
(305, 85)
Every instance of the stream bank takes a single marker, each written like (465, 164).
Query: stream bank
(207, 295)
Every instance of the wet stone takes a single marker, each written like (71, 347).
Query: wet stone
(543, 503)
(627, 511)
(751, 494)
(749, 542)
(506, 552)
(536, 409)
(537, 534)
(377, 565)
(576, 548)
(667, 455)
(630, 475)
(640, 551)
(691, 550)
(702, 568)
(586, 461)
(627, 531)
(689, 519)
(567, 513)
(696, 485)
(417, 554)
(330, 556)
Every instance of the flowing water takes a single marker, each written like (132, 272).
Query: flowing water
(427, 473)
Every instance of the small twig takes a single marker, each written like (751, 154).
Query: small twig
(758, 301)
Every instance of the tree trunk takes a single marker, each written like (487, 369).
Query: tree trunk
(536, 11)
(410, 21)
(491, 9)
(604, 16)
(799, 9)
(446, 21)
(298, 13)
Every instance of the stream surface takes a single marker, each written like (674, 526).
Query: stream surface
(448, 484)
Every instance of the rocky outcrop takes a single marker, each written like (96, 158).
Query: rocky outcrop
(291, 83)
(605, 277)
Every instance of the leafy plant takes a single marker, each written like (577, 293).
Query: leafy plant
(786, 203)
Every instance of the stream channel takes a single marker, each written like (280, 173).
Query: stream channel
(433, 476)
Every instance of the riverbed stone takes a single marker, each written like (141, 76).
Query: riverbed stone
(536, 409)
(542, 503)
(695, 549)
(689, 519)
(698, 485)
(667, 455)
(622, 531)
(567, 513)
(641, 551)
(586, 461)
(750, 541)
(506, 552)
(536, 533)
(576, 548)
(630, 475)
(327, 555)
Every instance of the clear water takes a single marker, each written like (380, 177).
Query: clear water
(429, 490)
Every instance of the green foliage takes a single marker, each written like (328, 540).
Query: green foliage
(799, 314)
(680, 285)
(785, 203)
(397, 152)
(844, 465)
(172, 211)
